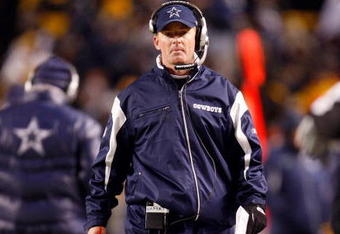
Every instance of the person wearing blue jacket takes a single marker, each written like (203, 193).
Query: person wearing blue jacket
(318, 135)
(182, 140)
(46, 150)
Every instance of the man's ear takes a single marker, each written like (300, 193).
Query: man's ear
(156, 42)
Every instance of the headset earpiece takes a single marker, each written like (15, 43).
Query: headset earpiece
(28, 83)
(72, 88)
(151, 26)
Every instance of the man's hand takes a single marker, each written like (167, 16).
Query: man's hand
(250, 219)
(97, 230)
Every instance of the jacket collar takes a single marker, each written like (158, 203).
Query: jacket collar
(46, 92)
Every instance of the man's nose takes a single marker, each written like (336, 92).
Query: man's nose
(177, 39)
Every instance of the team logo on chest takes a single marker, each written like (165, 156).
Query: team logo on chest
(214, 109)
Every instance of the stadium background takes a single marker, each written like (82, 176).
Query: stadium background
(293, 47)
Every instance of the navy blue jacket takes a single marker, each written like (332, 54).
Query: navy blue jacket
(325, 113)
(294, 195)
(46, 150)
(192, 150)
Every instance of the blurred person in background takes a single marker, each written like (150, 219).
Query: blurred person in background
(42, 24)
(298, 188)
(182, 138)
(46, 149)
(96, 96)
(319, 136)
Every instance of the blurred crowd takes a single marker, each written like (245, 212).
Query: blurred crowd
(109, 43)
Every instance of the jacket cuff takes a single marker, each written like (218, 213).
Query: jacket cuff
(95, 222)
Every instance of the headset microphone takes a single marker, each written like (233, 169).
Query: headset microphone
(189, 66)
(185, 66)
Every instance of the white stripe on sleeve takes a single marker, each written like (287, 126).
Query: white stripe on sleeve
(242, 218)
(237, 110)
(118, 119)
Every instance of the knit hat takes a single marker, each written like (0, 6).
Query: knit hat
(54, 71)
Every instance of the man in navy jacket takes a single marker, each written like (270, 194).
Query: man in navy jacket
(46, 150)
(182, 139)
(319, 137)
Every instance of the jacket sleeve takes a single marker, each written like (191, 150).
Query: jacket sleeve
(109, 169)
(251, 184)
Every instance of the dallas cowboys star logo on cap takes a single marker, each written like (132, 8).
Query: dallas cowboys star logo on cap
(31, 137)
(174, 12)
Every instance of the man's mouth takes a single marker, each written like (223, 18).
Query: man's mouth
(176, 50)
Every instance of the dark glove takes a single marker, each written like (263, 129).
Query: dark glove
(250, 219)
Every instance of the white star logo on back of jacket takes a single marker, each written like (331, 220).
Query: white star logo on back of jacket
(174, 12)
(32, 137)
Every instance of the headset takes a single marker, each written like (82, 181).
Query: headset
(72, 88)
(202, 39)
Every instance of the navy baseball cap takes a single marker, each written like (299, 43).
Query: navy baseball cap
(54, 71)
(175, 13)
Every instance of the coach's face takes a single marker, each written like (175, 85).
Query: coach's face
(176, 42)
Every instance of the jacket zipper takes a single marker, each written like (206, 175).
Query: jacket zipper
(189, 149)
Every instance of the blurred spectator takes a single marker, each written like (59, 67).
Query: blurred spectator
(96, 96)
(319, 137)
(46, 149)
(295, 198)
(329, 23)
(43, 23)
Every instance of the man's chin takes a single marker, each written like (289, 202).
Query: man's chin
(179, 61)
